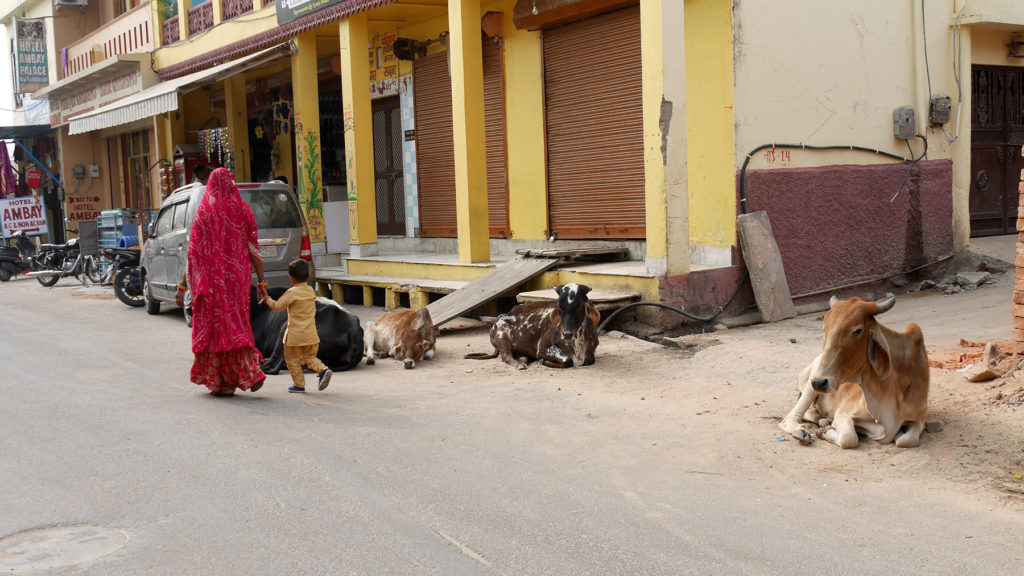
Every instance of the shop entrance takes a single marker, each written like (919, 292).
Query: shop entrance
(389, 180)
(997, 133)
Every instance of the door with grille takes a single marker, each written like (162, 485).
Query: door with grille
(389, 181)
(997, 134)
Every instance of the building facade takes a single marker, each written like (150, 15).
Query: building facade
(482, 127)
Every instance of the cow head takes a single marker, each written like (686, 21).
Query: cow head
(568, 315)
(852, 343)
(411, 347)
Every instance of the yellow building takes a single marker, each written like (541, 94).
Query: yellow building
(431, 140)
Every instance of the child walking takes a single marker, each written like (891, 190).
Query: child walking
(301, 341)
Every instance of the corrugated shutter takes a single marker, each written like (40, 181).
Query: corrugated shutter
(594, 115)
(494, 118)
(435, 146)
(435, 149)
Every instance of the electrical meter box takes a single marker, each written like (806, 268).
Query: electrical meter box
(78, 171)
(939, 108)
(904, 123)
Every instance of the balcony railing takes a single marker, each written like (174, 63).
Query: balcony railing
(172, 32)
(131, 32)
(200, 18)
(235, 8)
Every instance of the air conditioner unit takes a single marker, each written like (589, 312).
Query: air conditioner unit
(79, 3)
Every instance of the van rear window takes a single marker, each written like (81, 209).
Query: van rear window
(272, 208)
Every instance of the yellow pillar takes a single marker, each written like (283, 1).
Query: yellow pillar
(183, 8)
(654, 165)
(467, 70)
(306, 102)
(218, 12)
(524, 127)
(355, 93)
(238, 126)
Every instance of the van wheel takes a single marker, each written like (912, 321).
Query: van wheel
(152, 304)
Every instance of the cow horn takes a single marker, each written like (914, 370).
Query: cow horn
(885, 305)
(832, 301)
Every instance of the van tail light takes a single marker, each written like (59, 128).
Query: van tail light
(306, 253)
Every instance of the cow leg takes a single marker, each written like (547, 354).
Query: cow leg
(553, 357)
(911, 436)
(793, 424)
(369, 335)
(842, 432)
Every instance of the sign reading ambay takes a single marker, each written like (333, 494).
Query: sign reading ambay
(26, 213)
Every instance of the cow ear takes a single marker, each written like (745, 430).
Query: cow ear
(555, 316)
(558, 290)
(584, 290)
(593, 314)
(878, 353)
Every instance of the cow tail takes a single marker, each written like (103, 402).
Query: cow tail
(481, 355)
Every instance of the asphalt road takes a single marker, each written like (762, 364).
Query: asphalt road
(432, 471)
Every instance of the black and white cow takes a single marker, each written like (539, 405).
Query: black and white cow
(560, 334)
(341, 335)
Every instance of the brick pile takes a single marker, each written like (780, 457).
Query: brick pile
(1018, 293)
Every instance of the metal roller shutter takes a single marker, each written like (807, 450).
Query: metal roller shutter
(435, 149)
(494, 118)
(435, 146)
(594, 115)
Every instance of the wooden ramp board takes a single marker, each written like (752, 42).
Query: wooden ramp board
(504, 278)
(584, 253)
(764, 262)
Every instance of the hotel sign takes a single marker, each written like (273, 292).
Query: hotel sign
(30, 52)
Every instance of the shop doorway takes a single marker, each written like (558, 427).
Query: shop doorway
(135, 151)
(997, 133)
(388, 173)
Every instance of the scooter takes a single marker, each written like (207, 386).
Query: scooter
(125, 274)
(16, 259)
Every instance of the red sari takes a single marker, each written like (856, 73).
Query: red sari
(219, 271)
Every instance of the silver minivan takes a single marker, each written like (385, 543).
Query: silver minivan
(283, 237)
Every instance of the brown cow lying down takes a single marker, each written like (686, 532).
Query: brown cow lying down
(867, 379)
(560, 334)
(406, 335)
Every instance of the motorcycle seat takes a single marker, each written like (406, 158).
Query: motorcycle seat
(45, 247)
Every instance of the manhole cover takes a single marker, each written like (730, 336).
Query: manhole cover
(47, 548)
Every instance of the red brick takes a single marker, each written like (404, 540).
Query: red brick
(1018, 297)
(1018, 310)
(1018, 335)
(1018, 323)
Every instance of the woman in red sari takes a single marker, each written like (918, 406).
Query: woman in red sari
(223, 250)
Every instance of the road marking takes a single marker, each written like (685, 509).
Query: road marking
(465, 550)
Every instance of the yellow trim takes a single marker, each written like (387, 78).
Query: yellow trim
(308, 165)
(238, 125)
(710, 122)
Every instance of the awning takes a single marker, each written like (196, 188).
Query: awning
(23, 131)
(163, 97)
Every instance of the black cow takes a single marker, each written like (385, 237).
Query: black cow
(341, 335)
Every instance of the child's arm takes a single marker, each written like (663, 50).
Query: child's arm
(282, 304)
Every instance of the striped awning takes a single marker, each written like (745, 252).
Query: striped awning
(163, 97)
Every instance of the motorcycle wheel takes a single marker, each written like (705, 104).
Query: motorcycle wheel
(48, 280)
(128, 287)
(44, 264)
(92, 271)
(5, 275)
(152, 304)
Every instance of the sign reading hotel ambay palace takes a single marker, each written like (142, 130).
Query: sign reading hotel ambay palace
(30, 53)
(88, 98)
(288, 10)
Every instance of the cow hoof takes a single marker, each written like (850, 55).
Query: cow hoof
(370, 361)
(823, 430)
(803, 437)
(824, 423)
(521, 366)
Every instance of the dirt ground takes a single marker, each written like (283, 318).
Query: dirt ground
(727, 391)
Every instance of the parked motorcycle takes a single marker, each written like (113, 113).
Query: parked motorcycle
(126, 275)
(16, 259)
(55, 261)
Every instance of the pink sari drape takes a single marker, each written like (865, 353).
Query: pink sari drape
(223, 236)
